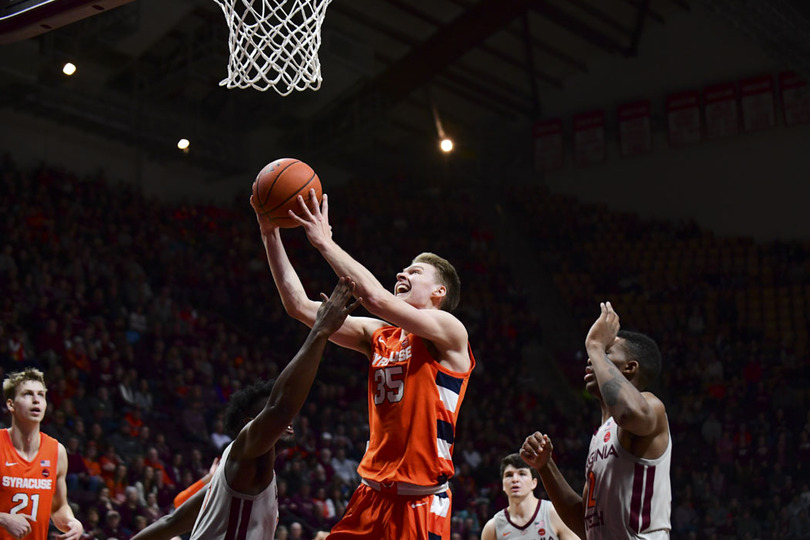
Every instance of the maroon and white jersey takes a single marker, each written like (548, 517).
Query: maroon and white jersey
(537, 528)
(626, 496)
(229, 515)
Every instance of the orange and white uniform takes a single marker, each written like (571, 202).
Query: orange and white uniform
(413, 405)
(27, 487)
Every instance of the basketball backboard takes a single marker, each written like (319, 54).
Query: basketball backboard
(24, 19)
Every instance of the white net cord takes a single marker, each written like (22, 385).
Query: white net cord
(274, 43)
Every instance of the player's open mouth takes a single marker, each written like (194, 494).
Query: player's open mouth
(401, 288)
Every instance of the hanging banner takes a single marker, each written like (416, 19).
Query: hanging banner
(589, 138)
(548, 144)
(721, 111)
(635, 129)
(795, 98)
(683, 118)
(756, 100)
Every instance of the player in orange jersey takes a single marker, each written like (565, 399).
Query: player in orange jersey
(419, 366)
(33, 466)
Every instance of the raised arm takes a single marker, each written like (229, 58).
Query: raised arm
(639, 413)
(558, 525)
(61, 513)
(356, 331)
(179, 522)
(441, 328)
(293, 384)
(536, 452)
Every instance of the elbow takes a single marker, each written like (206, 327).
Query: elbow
(293, 310)
(297, 310)
(634, 421)
(623, 417)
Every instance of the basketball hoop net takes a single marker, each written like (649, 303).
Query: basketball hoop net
(274, 43)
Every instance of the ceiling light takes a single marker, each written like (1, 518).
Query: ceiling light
(183, 144)
(69, 69)
(446, 145)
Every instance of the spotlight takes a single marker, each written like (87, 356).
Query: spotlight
(69, 69)
(445, 142)
(183, 144)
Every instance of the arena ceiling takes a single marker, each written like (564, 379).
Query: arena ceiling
(149, 69)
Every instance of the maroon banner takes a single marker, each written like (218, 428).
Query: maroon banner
(683, 118)
(795, 98)
(635, 129)
(548, 144)
(721, 110)
(589, 138)
(756, 99)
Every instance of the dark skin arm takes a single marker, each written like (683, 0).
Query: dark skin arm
(177, 523)
(536, 452)
(641, 416)
(249, 469)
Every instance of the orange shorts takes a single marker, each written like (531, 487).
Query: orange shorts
(375, 515)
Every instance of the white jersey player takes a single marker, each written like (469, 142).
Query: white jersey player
(226, 513)
(526, 517)
(636, 491)
(627, 491)
(241, 501)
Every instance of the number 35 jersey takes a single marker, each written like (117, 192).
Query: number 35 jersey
(627, 497)
(27, 487)
(413, 404)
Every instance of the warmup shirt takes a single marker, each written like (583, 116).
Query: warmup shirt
(27, 487)
(627, 497)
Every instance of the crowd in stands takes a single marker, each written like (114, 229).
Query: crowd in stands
(146, 316)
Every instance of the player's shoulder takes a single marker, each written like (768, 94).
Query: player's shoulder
(452, 325)
(489, 532)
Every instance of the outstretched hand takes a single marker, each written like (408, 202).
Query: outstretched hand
(603, 332)
(335, 308)
(314, 218)
(536, 450)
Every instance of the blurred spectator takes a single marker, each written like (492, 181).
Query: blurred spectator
(92, 524)
(218, 436)
(345, 468)
(77, 472)
(112, 527)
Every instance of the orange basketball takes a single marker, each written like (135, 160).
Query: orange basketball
(277, 186)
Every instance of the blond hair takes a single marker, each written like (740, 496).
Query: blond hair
(447, 276)
(14, 380)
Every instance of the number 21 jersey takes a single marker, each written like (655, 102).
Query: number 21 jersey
(27, 487)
